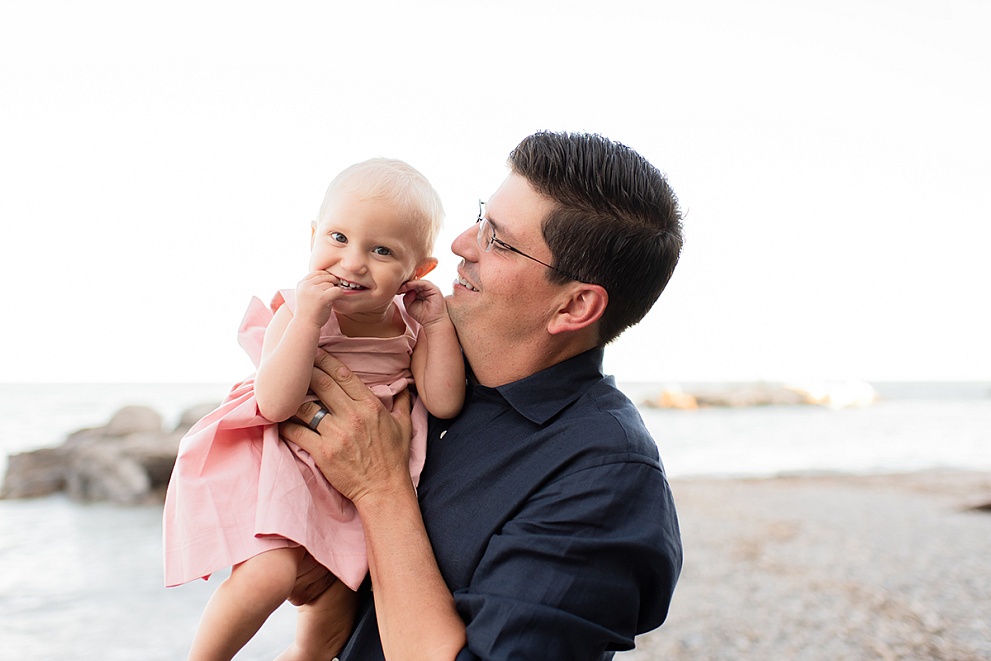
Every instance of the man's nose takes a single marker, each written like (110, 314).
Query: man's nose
(466, 244)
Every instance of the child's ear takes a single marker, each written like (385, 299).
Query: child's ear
(425, 267)
(313, 232)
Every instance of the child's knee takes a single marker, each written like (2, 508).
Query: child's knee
(272, 573)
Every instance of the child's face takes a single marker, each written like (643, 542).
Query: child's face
(369, 246)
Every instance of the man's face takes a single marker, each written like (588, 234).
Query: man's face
(501, 300)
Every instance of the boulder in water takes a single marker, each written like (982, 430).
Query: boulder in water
(127, 461)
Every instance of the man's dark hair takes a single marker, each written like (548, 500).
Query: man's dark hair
(616, 222)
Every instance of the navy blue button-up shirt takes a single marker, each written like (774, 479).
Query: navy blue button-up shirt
(550, 517)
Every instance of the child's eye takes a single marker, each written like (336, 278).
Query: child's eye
(337, 236)
(381, 250)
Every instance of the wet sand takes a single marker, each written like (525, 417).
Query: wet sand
(832, 568)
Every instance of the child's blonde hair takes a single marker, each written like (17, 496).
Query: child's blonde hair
(394, 181)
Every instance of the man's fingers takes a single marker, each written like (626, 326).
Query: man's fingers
(294, 430)
(402, 402)
(327, 370)
(402, 405)
(332, 379)
(297, 427)
(311, 581)
(309, 414)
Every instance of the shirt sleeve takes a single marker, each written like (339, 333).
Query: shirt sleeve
(589, 561)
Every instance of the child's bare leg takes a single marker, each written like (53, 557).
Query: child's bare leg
(323, 625)
(242, 603)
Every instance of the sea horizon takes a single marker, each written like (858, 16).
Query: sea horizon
(911, 425)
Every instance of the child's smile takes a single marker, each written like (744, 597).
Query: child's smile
(370, 247)
(344, 284)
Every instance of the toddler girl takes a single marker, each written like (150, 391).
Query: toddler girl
(240, 496)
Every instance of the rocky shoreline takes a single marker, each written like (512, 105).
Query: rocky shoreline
(127, 461)
(840, 394)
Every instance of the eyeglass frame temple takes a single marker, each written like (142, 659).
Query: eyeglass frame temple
(495, 239)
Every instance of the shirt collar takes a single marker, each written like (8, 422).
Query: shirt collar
(543, 395)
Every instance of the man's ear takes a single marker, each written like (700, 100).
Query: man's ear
(583, 308)
(424, 267)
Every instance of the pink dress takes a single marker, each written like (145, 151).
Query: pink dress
(238, 489)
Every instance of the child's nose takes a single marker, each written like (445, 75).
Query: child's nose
(354, 261)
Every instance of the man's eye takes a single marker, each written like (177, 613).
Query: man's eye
(381, 250)
(337, 236)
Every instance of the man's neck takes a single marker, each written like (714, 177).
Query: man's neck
(494, 368)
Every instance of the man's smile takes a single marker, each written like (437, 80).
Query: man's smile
(464, 283)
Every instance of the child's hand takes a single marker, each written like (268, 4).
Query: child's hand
(315, 296)
(424, 301)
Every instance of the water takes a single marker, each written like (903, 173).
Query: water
(85, 581)
(906, 431)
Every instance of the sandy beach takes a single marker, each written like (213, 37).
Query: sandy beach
(834, 567)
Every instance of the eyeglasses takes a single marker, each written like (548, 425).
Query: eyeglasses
(487, 238)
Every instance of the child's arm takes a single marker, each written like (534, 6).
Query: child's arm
(437, 366)
(290, 346)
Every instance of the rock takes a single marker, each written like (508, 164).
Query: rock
(102, 472)
(34, 474)
(130, 470)
(132, 419)
(838, 394)
(757, 394)
(156, 454)
(192, 415)
(128, 461)
(674, 398)
(834, 395)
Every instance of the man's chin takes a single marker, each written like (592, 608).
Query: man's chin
(458, 312)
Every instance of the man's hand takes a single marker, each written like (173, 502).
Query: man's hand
(363, 450)
(312, 580)
(360, 447)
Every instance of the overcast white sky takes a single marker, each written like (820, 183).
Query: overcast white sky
(160, 164)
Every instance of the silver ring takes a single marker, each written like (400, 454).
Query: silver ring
(317, 417)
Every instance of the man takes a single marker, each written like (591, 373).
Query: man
(543, 526)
